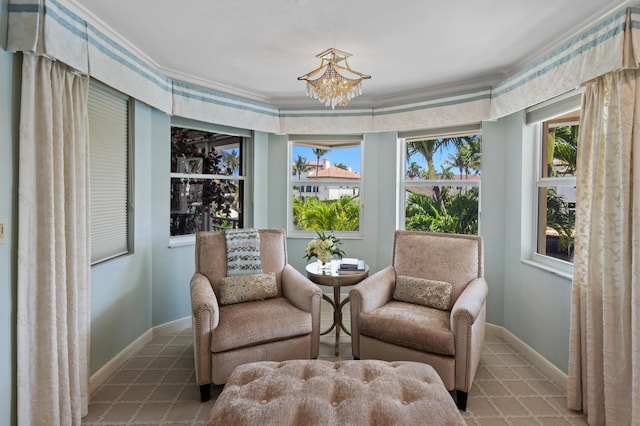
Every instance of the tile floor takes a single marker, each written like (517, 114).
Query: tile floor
(156, 387)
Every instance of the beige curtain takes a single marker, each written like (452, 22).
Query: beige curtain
(53, 250)
(604, 358)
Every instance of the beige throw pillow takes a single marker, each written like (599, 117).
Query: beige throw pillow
(247, 288)
(434, 294)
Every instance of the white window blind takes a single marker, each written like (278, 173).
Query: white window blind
(552, 108)
(109, 172)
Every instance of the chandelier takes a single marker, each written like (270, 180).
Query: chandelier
(333, 88)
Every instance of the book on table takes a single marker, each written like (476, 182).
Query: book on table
(350, 265)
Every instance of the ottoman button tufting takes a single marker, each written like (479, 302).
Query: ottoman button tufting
(336, 384)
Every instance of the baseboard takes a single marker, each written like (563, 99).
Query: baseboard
(107, 370)
(172, 326)
(541, 363)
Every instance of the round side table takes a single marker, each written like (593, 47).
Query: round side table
(336, 280)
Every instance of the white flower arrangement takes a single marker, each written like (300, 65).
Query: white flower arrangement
(324, 247)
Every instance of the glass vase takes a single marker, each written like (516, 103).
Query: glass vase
(324, 267)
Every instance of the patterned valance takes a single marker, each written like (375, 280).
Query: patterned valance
(595, 52)
(53, 28)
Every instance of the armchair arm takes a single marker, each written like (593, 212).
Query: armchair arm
(299, 290)
(373, 292)
(369, 294)
(468, 306)
(205, 316)
(467, 324)
(304, 295)
(204, 299)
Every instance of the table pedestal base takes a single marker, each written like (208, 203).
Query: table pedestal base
(337, 316)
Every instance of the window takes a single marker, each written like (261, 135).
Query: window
(207, 181)
(325, 185)
(109, 173)
(441, 180)
(556, 186)
(556, 123)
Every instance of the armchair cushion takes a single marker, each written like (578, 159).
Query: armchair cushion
(422, 291)
(253, 323)
(411, 326)
(247, 288)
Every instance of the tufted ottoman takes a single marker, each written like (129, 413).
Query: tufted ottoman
(316, 392)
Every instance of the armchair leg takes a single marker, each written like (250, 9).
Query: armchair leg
(205, 392)
(461, 400)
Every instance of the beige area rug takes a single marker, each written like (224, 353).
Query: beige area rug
(157, 387)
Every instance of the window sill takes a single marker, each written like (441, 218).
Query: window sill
(563, 274)
(107, 262)
(182, 241)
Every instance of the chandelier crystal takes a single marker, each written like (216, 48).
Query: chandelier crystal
(333, 88)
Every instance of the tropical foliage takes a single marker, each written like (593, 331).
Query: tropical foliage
(312, 214)
(562, 220)
(443, 208)
(458, 213)
(562, 154)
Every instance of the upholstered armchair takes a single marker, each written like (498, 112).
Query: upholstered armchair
(230, 329)
(428, 306)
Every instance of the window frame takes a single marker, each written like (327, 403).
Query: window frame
(246, 159)
(403, 182)
(335, 142)
(537, 116)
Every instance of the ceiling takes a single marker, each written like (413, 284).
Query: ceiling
(412, 48)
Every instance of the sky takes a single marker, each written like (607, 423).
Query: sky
(351, 157)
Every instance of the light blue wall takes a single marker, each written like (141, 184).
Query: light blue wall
(121, 292)
(492, 213)
(9, 113)
(536, 302)
(259, 216)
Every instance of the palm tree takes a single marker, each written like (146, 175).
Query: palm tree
(342, 166)
(446, 211)
(468, 153)
(565, 149)
(458, 160)
(445, 173)
(231, 160)
(413, 171)
(427, 148)
(472, 152)
(300, 166)
(319, 152)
